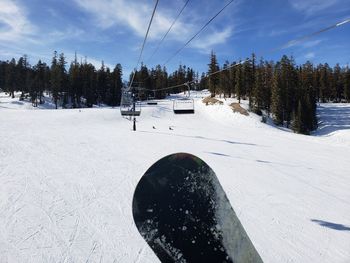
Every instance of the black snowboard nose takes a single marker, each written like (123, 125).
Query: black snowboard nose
(182, 212)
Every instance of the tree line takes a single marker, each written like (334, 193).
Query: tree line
(155, 81)
(281, 89)
(79, 85)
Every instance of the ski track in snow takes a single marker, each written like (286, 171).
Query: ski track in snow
(67, 179)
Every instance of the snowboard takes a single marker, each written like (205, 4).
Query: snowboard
(182, 212)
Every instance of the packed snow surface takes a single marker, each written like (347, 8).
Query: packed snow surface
(67, 179)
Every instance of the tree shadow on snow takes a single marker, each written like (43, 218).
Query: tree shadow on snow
(219, 154)
(201, 137)
(331, 225)
(332, 118)
(17, 102)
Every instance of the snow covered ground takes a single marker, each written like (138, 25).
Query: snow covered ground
(67, 179)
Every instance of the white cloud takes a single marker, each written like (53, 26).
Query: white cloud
(312, 43)
(274, 33)
(136, 17)
(207, 42)
(303, 42)
(15, 24)
(97, 63)
(46, 57)
(68, 33)
(133, 15)
(310, 55)
(311, 7)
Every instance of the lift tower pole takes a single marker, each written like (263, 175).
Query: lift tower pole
(134, 108)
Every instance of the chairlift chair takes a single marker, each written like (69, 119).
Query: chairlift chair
(150, 101)
(129, 111)
(128, 106)
(151, 98)
(183, 106)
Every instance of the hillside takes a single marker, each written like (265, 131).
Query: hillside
(67, 179)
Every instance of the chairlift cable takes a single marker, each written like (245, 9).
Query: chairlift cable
(200, 31)
(193, 37)
(303, 38)
(287, 45)
(166, 34)
(144, 42)
(167, 88)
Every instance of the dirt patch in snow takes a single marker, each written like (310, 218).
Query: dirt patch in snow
(236, 107)
(211, 101)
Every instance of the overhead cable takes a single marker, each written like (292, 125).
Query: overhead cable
(195, 35)
(144, 42)
(171, 26)
(288, 44)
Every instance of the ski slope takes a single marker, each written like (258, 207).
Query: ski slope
(67, 179)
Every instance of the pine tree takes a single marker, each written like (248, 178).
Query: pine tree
(297, 119)
(21, 69)
(116, 86)
(304, 117)
(38, 83)
(338, 88)
(3, 66)
(203, 83)
(75, 82)
(277, 108)
(63, 84)
(239, 80)
(30, 84)
(225, 80)
(248, 78)
(160, 81)
(289, 85)
(268, 84)
(55, 79)
(10, 78)
(213, 78)
(101, 84)
(232, 76)
(347, 84)
(316, 82)
(257, 100)
(326, 82)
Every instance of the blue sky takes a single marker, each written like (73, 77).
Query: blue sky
(113, 30)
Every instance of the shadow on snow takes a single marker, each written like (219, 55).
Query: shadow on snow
(332, 117)
(331, 225)
(200, 137)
